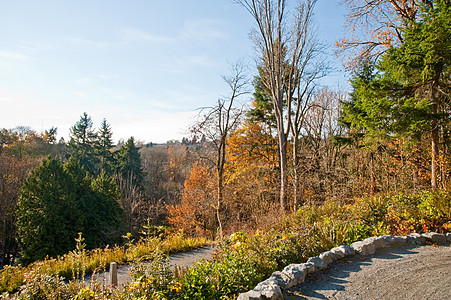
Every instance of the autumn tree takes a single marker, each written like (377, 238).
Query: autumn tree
(13, 172)
(252, 174)
(216, 124)
(195, 214)
(280, 40)
(373, 26)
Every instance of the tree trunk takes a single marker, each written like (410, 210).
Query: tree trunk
(283, 173)
(435, 152)
(296, 172)
(434, 136)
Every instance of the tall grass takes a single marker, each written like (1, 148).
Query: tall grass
(79, 262)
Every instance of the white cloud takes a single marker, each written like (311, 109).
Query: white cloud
(83, 42)
(81, 94)
(203, 29)
(14, 55)
(137, 35)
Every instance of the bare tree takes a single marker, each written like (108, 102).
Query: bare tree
(283, 43)
(374, 25)
(216, 123)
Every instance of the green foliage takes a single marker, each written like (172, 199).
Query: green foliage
(153, 279)
(47, 213)
(397, 95)
(129, 163)
(104, 146)
(263, 106)
(82, 143)
(57, 202)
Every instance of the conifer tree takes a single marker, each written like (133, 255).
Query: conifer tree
(82, 143)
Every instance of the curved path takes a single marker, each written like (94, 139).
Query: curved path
(409, 272)
(183, 260)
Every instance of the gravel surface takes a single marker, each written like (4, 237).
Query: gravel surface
(409, 272)
(184, 259)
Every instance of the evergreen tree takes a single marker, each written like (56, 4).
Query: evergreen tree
(263, 106)
(97, 201)
(105, 146)
(129, 163)
(82, 143)
(408, 91)
(47, 213)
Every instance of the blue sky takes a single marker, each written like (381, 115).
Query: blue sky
(144, 65)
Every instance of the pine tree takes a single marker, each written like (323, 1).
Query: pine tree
(82, 143)
(129, 163)
(104, 147)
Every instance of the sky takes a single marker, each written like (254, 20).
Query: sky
(146, 66)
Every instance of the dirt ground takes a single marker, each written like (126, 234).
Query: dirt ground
(409, 272)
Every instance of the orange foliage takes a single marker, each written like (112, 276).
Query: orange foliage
(251, 173)
(195, 214)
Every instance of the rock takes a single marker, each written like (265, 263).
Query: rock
(378, 242)
(262, 285)
(317, 262)
(309, 267)
(435, 237)
(364, 247)
(283, 279)
(251, 295)
(327, 257)
(343, 250)
(271, 292)
(416, 238)
(338, 252)
(448, 237)
(394, 239)
(296, 271)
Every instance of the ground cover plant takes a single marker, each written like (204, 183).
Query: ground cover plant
(244, 259)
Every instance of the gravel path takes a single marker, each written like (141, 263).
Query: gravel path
(410, 272)
(184, 259)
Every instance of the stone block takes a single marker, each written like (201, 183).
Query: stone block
(262, 285)
(283, 279)
(393, 240)
(378, 241)
(271, 292)
(364, 247)
(416, 238)
(435, 237)
(327, 257)
(317, 262)
(338, 252)
(251, 295)
(296, 271)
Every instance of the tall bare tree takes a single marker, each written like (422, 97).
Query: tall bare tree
(282, 41)
(216, 123)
